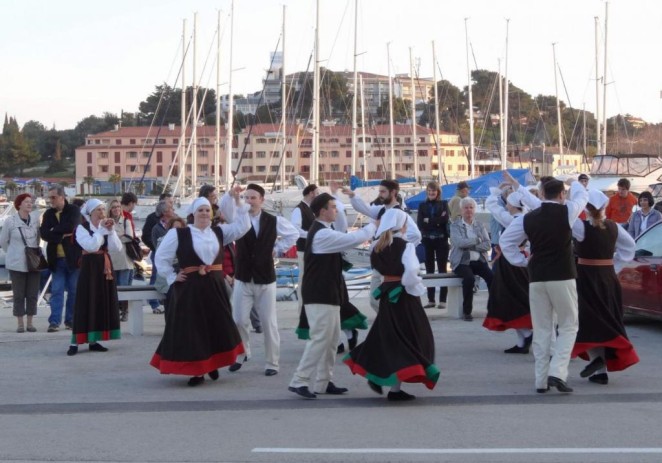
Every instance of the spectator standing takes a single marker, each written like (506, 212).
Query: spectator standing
(57, 228)
(150, 221)
(18, 231)
(123, 266)
(645, 217)
(619, 208)
(462, 191)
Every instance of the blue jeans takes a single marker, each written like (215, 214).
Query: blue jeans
(64, 279)
(123, 277)
(153, 303)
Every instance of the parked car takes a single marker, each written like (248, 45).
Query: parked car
(641, 279)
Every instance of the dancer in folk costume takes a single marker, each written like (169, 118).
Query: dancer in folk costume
(399, 347)
(601, 336)
(96, 310)
(508, 302)
(200, 335)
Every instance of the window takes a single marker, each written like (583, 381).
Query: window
(146, 141)
(145, 154)
(105, 141)
(97, 142)
(289, 154)
(159, 171)
(305, 154)
(89, 158)
(274, 168)
(348, 140)
(421, 167)
(103, 155)
(203, 154)
(335, 154)
(235, 155)
(348, 154)
(160, 141)
(335, 167)
(159, 156)
(261, 169)
(118, 170)
(260, 140)
(247, 169)
(132, 141)
(131, 168)
(275, 154)
(449, 167)
(118, 141)
(423, 153)
(89, 171)
(118, 156)
(175, 141)
(261, 154)
(305, 169)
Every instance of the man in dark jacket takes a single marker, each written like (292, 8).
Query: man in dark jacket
(432, 221)
(150, 221)
(58, 229)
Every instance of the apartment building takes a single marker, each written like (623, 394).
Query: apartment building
(140, 155)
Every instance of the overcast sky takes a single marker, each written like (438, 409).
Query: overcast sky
(67, 59)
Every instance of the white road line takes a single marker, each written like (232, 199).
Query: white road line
(458, 451)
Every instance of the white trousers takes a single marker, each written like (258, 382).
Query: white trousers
(263, 297)
(319, 355)
(548, 299)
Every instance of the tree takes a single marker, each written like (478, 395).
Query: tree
(400, 110)
(10, 185)
(16, 153)
(89, 181)
(169, 109)
(115, 179)
(140, 188)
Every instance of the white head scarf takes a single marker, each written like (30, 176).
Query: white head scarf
(90, 206)
(201, 201)
(597, 199)
(393, 219)
(515, 199)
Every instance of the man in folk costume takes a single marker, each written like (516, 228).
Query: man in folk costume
(388, 196)
(552, 273)
(255, 276)
(323, 295)
(302, 218)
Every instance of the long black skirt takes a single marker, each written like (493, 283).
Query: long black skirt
(399, 346)
(508, 301)
(200, 335)
(601, 317)
(96, 310)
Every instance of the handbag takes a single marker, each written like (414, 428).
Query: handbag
(34, 258)
(133, 249)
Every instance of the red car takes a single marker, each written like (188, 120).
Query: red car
(641, 279)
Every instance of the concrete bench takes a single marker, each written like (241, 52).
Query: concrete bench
(454, 285)
(137, 296)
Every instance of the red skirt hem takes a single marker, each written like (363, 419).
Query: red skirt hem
(624, 355)
(196, 367)
(494, 324)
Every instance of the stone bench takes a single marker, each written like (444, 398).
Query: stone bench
(137, 296)
(454, 285)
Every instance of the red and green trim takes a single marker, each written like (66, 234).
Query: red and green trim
(303, 333)
(622, 352)
(196, 367)
(95, 336)
(495, 324)
(412, 374)
(355, 322)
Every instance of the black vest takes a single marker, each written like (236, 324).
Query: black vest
(550, 236)
(383, 210)
(322, 278)
(307, 219)
(255, 254)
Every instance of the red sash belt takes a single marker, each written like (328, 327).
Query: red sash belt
(596, 262)
(391, 278)
(203, 269)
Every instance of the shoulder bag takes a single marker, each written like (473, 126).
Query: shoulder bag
(34, 258)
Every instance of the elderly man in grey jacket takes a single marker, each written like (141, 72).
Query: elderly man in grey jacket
(470, 243)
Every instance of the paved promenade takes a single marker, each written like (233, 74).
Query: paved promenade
(114, 407)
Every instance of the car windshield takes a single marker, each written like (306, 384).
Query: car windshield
(650, 243)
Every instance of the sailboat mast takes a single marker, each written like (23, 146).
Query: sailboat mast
(365, 149)
(182, 140)
(472, 159)
(316, 104)
(283, 98)
(597, 90)
(217, 138)
(436, 113)
(355, 96)
(501, 140)
(604, 83)
(413, 114)
(390, 111)
(506, 90)
(558, 105)
(194, 134)
(229, 131)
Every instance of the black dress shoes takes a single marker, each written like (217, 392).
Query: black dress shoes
(468, 317)
(517, 350)
(400, 396)
(375, 387)
(73, 350)
(542, 390)
(340, 349)
(213, 375)
(236, 365)
(96, 347)
(196, 381)
(595, 365)
(600, 378)
(335, 390)
(528, 341)
(270, 372)
(559, 384)
(302, 391)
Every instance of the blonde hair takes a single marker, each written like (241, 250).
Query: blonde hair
(384, 241)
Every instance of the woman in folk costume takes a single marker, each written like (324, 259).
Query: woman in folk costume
(601, 337)
(96, 310)
(508, 302)
(399, 347)
(200, 335)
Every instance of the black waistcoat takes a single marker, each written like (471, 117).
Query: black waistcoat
(322, 278)
(307, 219)
(550, 236)
(254, 259)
